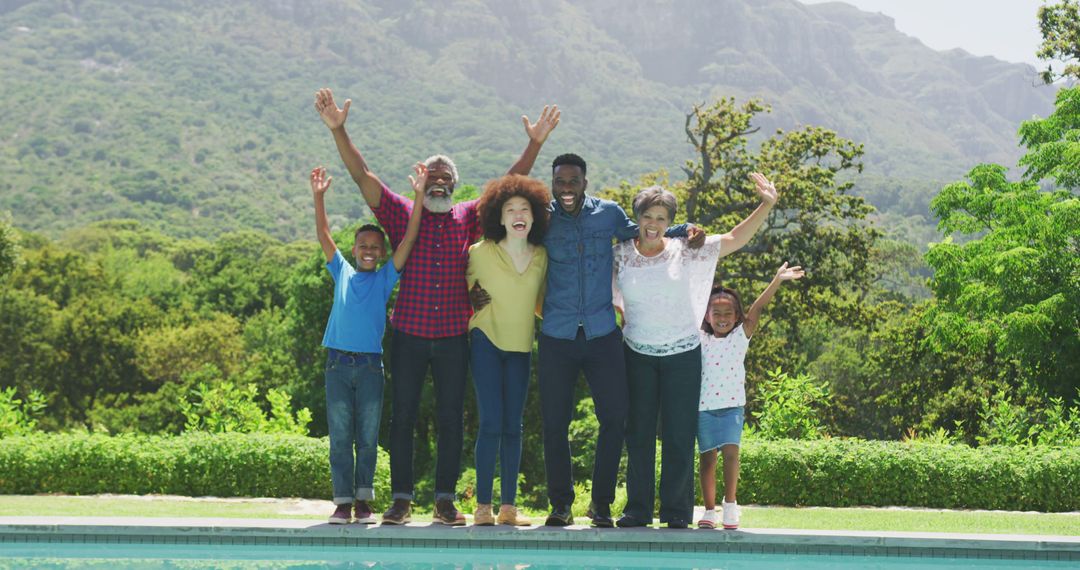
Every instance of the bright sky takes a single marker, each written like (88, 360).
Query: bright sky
(1006, 29)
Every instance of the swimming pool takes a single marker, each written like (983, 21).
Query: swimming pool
(46, 555)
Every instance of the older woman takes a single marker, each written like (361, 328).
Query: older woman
(662, 287)
(510, 264)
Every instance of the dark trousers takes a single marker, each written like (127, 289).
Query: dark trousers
(409, 360)
(560, 363)
(669, 386)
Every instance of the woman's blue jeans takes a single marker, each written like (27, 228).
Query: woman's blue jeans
(354, 393)
(501, 379)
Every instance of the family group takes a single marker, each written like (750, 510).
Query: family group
(474, 275)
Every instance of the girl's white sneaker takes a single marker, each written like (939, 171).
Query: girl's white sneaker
(731, 515)
(709, 519)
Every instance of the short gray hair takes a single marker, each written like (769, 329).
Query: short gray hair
(655, 196)
(444, 160)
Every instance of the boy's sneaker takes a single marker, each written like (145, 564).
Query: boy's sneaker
(731, 515)
(709, 519)
(363, 512)
(398, 513)
(342, 514)
(447, 513)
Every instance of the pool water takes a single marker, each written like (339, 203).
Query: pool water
(68, 555)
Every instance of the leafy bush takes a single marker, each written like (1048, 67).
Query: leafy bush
(791, 406)
(226, 407)
(830, 472)
(844, 473)
(19, 417)
(194, 464)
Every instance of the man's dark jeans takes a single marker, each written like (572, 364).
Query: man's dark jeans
(409, 359)
(560, 363)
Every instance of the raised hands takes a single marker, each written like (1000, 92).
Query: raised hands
(764, 188)
(549, 119)
(419, 184)
(328, 109)
(786, 273)
(320, 182)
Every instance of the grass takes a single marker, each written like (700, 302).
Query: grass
(911, 520)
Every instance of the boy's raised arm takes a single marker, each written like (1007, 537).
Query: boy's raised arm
(320, 183)
(334, 118)
(785, 273)
(412, 230)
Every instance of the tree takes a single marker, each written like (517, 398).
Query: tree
(1060, 27)
(816, 224)
(1054, 142)
(1012, 293)
(9, 248)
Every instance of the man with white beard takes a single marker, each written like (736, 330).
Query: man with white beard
(431, 314)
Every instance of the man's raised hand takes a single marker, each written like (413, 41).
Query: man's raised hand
(764, 188)
(328, 109)
(549, 119)
(320, 182)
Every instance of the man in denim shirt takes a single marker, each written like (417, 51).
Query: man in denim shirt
(579, 333)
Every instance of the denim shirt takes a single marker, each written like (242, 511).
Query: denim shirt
(580, 264)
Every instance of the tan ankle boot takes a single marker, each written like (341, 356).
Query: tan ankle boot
(482, 516)
(508, 514)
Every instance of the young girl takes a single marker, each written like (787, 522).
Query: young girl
(725, 336)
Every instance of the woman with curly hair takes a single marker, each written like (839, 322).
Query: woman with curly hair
(510, 265)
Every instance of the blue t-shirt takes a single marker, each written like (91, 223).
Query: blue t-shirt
(358, 318)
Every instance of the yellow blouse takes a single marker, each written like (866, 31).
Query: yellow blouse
(509, 319)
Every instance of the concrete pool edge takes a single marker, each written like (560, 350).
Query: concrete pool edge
(293, 532)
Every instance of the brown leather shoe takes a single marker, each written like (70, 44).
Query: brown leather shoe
(508, 514)
(482, 516)
(447, 513)
(398, 513)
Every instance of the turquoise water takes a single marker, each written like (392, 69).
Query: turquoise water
(39, 555)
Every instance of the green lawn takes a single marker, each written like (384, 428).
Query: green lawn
(982, 522)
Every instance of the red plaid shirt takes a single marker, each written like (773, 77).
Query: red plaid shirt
(433, 301)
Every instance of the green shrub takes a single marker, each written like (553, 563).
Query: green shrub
(19, 416)
(828, 472)
(844, 473)
(791, 406)
(195, 464)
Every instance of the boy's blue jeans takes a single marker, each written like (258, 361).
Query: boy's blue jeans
(501, 379)
(354, 392)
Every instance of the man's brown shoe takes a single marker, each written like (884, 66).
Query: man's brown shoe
(447, 513)
(398, 513)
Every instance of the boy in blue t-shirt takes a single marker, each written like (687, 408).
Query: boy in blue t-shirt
(354, 374)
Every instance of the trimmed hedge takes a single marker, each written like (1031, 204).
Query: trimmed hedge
(831, 472)
(844, 473)
(197, 464)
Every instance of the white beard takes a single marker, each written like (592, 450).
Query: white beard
(438, 204)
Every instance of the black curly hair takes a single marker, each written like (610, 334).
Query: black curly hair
(499, 190)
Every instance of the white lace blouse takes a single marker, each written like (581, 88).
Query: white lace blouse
(663, 298)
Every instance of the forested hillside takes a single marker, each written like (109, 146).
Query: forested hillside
(195, 117)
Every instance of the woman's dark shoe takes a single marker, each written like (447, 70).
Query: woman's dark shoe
(629, 521)
(600, 515)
